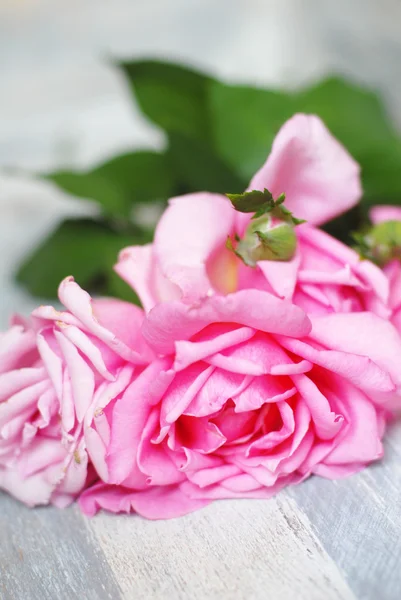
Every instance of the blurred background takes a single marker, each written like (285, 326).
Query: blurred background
(64, 104)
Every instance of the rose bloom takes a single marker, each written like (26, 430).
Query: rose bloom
(265, 375)
(59, 378)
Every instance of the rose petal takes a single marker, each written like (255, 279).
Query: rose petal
(282, 276)
(364, 334)
(162, 502)
(327, 423)
(81, 376)
(190, 230)
(362, 371)
(114, 313)
(187, 353)
(16, 348)
(320, 179)
(382, 213)
(130, 416)
(175, 321)
(135, 267)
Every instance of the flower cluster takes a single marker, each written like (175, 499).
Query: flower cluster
(267, 351)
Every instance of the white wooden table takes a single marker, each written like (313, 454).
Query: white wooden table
(60, 105)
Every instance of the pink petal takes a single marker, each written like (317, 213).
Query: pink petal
(12, 382)
(23, 401)
(139, 268)
(108, 391)
(87, 347)
(197, 434)
(67, 409)
(282, 276)
(341, 277)
(135, 267)
(263, 390)
(42, 453)
(189, 352)
(361, 370)
(242, 488)
(297, 457)
(364, 334)
(81, 376)
(48, 408)
(113, 316)
(51, 360)
(124, 320)
(75, 470)
(97, 452)
(194, 461)
(130, 416)
(338, 471)
(199, 224)
(206, 477)
(214, 393)
(301, 442)
(273, 438)
(175, 321)
(382, 213)
(326, 251)
(260, 355)
(393, 273)
(244, 483)
(361, 439)
(33, 491)
(182, 391)
(327, 423)
(162, 502)
(320, 179)
(153, 459)
(17, 347)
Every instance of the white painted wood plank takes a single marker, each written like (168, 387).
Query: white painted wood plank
(232, 549)
(358, 522)
(48, 554)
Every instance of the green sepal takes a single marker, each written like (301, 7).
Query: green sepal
(381, 243)
(263, 203)
(277, 244)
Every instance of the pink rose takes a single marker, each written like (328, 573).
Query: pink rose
(189, 258)
(251, 395)
(383, 214)
(59, 378)
(265, 375)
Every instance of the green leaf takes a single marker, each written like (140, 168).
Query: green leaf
(198, 168)
(83, 248)
(381, 175)
(172, 96)
(92, 186)
(121, 182)
(245, 121)
(355, 115)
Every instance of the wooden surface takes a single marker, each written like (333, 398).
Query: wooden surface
(321, 540)
(60, 106)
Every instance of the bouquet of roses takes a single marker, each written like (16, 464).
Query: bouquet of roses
(266, 351)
